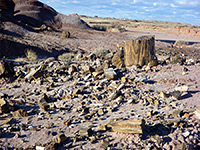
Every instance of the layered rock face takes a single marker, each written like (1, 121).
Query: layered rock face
(34, 12)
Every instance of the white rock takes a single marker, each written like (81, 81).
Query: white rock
(186, 134)
(39, 148)
(86, 78)
(183, 88)
(120, 87)
(197, 113)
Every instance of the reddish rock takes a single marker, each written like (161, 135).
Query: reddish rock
(34, 12)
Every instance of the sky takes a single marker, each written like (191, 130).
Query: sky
(186, 11)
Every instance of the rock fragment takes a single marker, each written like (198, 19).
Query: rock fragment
(34, 73)
(109, 73)
(114, 95)
(20, 113)
(186, 133)
(106, 145)
(164, 95)
(118, 57)
(85, 132)
(176, 94)
(60, 138)
(43, 102)
(183, 88)
(129, 126)
(40, 148)
(4, 106)
(197, 113)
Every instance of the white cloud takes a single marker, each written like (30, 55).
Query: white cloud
(75, 2)
(188, 2)
(135, 1)
(173, 5)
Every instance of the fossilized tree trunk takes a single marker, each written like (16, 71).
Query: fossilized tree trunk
(139, 51)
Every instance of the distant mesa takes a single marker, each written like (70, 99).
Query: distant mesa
(35, 13)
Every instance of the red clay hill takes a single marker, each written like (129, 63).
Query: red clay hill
(34, 13)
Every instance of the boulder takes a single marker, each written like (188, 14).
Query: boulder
(140, 51)
(117, 59)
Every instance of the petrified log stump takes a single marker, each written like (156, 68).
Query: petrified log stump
(139, 51)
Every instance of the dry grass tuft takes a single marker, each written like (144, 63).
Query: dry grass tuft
(31, 55)
(66, 56)
(181, 42)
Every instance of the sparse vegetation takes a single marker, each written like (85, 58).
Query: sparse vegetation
(31, 55)
(196, 45)
(66, 56)
(181, 42)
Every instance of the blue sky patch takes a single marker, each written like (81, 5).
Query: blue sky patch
(187, 11)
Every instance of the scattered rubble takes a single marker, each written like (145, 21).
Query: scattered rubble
(93, 101)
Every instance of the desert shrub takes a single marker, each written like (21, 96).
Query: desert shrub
(30, 54)
(181, 42)
(66, 56)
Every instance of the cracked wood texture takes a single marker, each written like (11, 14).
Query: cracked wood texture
(139, 51)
